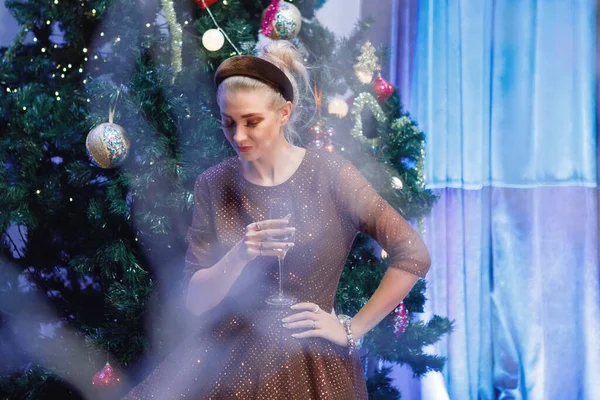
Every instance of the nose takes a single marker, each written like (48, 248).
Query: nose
(239, 135)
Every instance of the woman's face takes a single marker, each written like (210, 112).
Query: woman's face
(250, 122)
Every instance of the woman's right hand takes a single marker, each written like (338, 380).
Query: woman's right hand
(256, 240)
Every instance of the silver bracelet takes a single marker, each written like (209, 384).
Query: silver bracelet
(345, 321)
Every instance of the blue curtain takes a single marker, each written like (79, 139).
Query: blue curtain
(505, 92)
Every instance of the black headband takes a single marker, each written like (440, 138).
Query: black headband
(257, 68)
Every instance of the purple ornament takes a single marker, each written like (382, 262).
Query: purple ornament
(408, 162)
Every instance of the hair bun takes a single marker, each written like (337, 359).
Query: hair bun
(284, 54)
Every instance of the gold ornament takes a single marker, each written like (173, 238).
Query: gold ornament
(367, 63)
(338, 107)
(365, 76)
(286, 23)
(397, 183)
(213, 39)
(106, 144)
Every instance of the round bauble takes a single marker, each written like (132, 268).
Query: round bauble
(337, 107)
(107, 146)
(285, 23)
(383, 88)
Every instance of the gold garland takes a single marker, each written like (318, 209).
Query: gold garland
(176, 34)
(362, 100)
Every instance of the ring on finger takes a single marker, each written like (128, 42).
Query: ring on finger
(313, 324)
(257, 226)
(317, 309)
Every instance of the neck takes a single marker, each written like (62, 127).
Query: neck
(274, 168)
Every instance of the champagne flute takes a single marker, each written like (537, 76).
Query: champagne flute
(280, 208)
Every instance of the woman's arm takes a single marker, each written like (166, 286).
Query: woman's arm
(209, 286)
(209, 275)
(408, 255)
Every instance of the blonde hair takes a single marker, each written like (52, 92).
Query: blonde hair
(286, 57)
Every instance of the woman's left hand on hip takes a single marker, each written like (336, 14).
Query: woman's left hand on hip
(310, 321)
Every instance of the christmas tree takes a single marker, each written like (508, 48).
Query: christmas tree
(94, 216)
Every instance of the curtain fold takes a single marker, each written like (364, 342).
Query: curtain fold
(505, 92)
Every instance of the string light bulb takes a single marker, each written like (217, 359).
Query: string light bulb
(213, 39)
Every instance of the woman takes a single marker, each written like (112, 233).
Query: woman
(246, 348)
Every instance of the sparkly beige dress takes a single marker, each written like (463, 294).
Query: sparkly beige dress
(241, 350)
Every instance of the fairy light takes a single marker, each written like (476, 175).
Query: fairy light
(95, 57)
(62, 75)
(84, 82)
(70, 199)
(85, 49)
(65, 69)
(8, 90)
(48, 22)
(148, 25)
(43, 49)
(38, 191)
(56, 94)
(24, 108)
(56, 46)
(58, 98)
(35, 39)
(219, 28)
(85, 59)
(81, 70)
(118, 39)
(55, 1)
(94, 11)
(101, 33)
(70, 66)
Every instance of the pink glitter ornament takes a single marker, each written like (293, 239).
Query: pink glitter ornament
(106, 377)
(266, 26)
(400, 319)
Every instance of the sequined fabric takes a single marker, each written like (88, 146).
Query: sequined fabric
(241, 350)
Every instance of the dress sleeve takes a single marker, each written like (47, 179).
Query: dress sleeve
(202, 249)
(372, 215)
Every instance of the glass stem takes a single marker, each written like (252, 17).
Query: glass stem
(280, 259)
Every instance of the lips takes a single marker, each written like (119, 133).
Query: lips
(245, 149)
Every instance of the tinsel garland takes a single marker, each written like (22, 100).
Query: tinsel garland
(362, 100)
(401, 124)
(176, 34)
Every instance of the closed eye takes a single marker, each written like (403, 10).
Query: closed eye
(232, 124)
